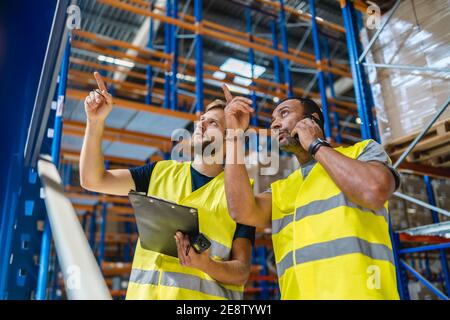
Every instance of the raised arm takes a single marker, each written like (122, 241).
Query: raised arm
(243, 206)
(234, 272)
(93, 176)
(368, 184)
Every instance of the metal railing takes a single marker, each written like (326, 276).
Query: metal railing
(82, 276)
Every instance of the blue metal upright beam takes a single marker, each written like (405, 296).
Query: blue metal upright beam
(93, 228)
(367, 129)
(174, 47)
(350, 34)
(101, 246)
(435, 217)
(251, 61)
(41, 289)
(330, 80)
(284, 44)
(198, 11)
(370, 104)
(168, 50)
(320, 73)
(400, 271)
(149, 80)
(276, 60)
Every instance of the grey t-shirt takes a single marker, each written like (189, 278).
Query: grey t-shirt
(372, 152)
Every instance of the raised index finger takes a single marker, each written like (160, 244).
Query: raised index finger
(100, 82)
(227, 93)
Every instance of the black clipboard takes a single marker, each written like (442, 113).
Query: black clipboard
(158, 220)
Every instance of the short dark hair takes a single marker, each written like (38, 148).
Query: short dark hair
(309, 107)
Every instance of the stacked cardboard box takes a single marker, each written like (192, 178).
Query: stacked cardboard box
(441, 189)
(406, 214)
(397, 210)
(418, 34)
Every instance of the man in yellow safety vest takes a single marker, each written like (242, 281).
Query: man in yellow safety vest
(222, 270)
(329, 218)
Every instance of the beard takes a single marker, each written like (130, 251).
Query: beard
(198, 147)
(290, 142)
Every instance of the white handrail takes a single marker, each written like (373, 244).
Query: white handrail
(82, 276)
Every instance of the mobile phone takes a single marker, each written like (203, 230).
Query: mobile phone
(308, 116)
(200, 243)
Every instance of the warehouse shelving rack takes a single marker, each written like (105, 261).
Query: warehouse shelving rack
(362, 91)
(166, 102)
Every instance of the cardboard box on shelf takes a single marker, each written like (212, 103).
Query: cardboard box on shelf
(406, 100)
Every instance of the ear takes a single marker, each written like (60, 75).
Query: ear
(315, 115)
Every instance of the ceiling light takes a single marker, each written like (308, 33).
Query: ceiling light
(119, 62)
(242, 68)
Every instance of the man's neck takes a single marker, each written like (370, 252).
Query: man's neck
(303, 157)
(209, 170)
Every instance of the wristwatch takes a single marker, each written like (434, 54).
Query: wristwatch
(316, 144)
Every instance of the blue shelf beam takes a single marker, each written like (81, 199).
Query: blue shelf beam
(168, 50)
(151, 36)
(198, 12)
(251, 61)
(284, 45)
(368, 131)
(276, 60)
(174, 49)
(330, 82)
(41, 290)
(320, 73)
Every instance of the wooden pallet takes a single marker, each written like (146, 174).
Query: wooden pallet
(433, 149)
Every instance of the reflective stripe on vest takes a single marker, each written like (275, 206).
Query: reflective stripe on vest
(144, 276)
(191, 282)
(320, 206)
(219, 250)
(184, 281)
(331, 249)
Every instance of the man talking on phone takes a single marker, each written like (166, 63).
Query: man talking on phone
(329, 218)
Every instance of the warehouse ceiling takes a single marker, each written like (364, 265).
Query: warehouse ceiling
(121, 25)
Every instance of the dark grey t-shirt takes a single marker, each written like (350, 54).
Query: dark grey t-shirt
(372, 152)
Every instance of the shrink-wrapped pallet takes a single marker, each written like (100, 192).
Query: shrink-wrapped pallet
(418, 34)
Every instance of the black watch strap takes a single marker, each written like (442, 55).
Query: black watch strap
(316, 144)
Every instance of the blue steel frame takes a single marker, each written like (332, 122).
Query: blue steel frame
(198, 12)
(168, 50)
(174, 51)
(251, 60)
(104, 215)
(284, 45)
(41, 290)
(149, 82)
(369, 130)
(330, 83)
(320, 73)
(276, 60)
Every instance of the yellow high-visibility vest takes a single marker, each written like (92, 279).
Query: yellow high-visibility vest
(158, 276)
(326, 246)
